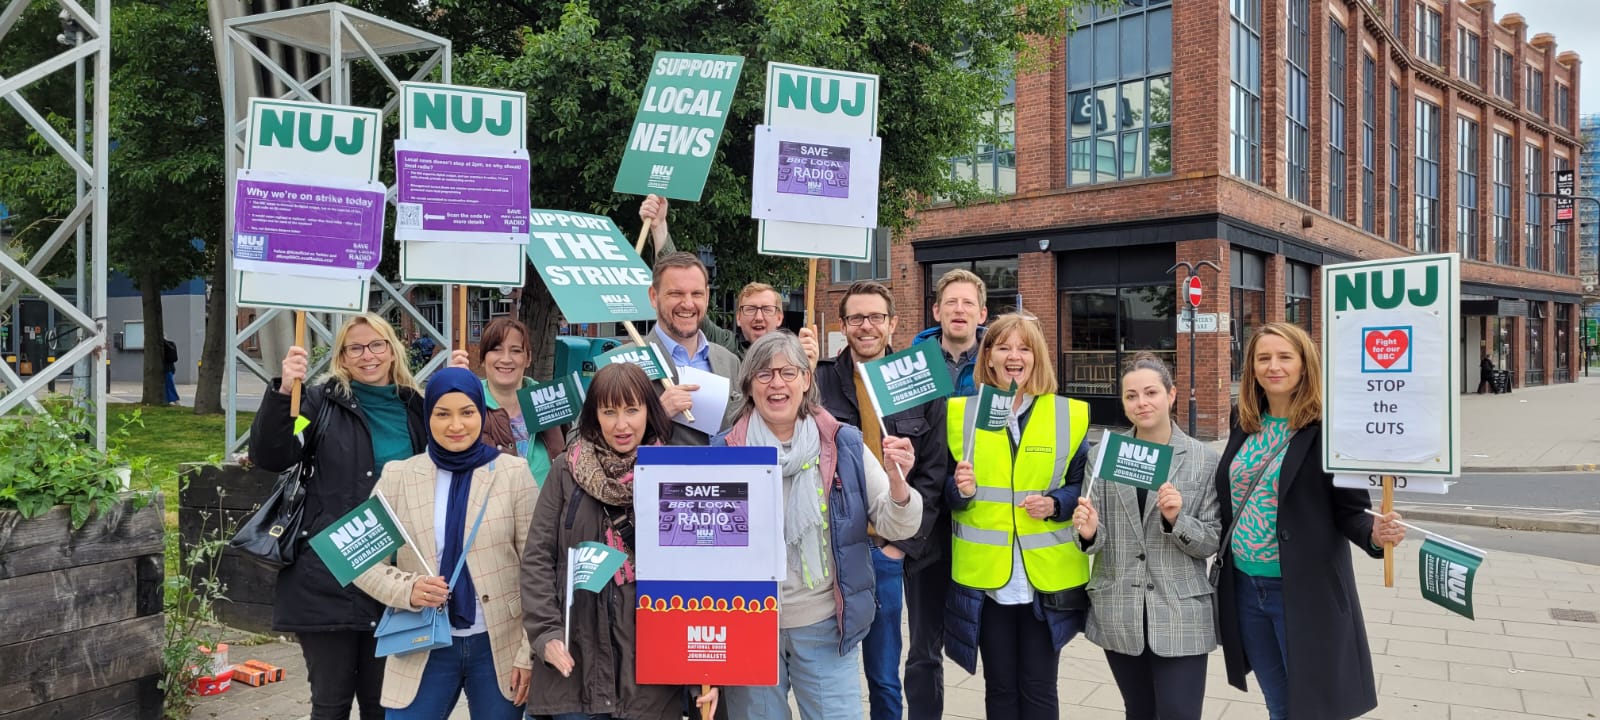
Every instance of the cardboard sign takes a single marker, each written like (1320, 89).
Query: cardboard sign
(908, 378)
(1132, 461)
(645, 357)
(449, 196)
(357, 541)
(1391, 335)
(1446, 574)
(592, 271)
(553, 403)
(679, 124)
(710, 560)
(827, 101)
(809, 176)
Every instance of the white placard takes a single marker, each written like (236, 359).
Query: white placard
(1391, 333)
(813, 176)
(715, 540)
(710, 401)
(1430, 484)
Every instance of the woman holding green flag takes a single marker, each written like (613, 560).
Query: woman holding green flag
(1156, 641)
(589, 498)
(505, 356)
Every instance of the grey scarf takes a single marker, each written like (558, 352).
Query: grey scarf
(802, 506)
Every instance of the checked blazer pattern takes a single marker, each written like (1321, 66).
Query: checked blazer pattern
(494, 560)
(1143, 571)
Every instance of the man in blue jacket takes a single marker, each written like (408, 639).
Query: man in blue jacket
(921, 563)
(960, 308)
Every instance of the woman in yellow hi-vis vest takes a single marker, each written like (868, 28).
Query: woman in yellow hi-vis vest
(1019, 579)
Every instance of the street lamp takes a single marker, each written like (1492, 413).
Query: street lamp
(1189, 307)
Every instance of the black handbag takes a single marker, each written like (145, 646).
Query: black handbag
(270, 535)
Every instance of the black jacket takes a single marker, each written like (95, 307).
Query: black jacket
(169, 356)
(924, 427)
(307, 598)
(1330, 663)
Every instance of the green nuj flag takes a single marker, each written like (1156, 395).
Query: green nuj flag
(357, 541)
(645, 357)
(1133, 462)
(590, 566)
(679, 124)
(550, 404)
(908, 378)
(994, 407)
(1446, 574)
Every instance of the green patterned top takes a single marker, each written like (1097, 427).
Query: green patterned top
(1255, 538)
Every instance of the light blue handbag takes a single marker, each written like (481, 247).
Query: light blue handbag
(402, 632)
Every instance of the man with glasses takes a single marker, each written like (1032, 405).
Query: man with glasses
(960, 307)
(922, 562)
(679, 292)
(759, 309)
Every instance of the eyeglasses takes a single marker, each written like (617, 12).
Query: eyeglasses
(376, 347)
(874, 318)
(767, 311)
(789, 373)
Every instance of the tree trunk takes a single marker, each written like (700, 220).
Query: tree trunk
(214, 351)
(155, 379)
(539, 312)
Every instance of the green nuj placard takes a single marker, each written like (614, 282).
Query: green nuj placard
(909, 378)
(1133, 462)
(547, 405)
(645, 357)
(357, 541)
(591, 269)
(1445, 574)
(679, 124)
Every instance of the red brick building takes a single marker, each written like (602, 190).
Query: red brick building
(1270, 137)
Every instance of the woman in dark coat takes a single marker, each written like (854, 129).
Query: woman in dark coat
(374, 415)
(1287, 595)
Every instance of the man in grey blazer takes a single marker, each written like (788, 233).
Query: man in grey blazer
(680, 291)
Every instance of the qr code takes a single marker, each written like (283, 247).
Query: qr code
(408, 215)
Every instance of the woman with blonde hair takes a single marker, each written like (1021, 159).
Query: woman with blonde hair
(1286, 590)
(366, 412)
(1150, 604)
(1019, 580)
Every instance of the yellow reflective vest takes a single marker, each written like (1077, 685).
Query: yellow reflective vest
(981, 551)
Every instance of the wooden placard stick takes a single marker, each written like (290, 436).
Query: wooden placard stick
(811, 291)
(705, 710)
(461, 319)
(300, 342)
(1388, 548)
(633, 333)
(644, 234)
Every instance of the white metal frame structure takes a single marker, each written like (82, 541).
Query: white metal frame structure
(94, 45)
(340, 36)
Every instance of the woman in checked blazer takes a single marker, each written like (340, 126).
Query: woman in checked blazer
(1150, 602)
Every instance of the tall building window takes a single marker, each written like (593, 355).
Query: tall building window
(1562, 232)
(1536, 91)
(1428, 33)
(1298, 104)
(1502, 198)
(1369, 142)
(1119, 93)
(1467, 189)
(1467, 47)
(1394, 163)
(1336, 120)
(1247, 302)
(1532, 212)
(1502, 73)
(1244, 103)
(1297, 292)
(1563, 106)
(875, 268)
(1533, 361)
(1425, 178)
(1563, 341)
(1397, 12)
(993, 166)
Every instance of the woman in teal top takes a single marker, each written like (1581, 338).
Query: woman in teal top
(505, 355)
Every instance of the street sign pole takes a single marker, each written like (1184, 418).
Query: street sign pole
(1192, 296)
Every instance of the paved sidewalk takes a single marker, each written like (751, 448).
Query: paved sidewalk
(1549, 428)
(1515, 662)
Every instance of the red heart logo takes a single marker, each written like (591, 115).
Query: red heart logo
(1387, 347)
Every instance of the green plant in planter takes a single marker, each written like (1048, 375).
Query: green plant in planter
(189, 603)
(50, 459)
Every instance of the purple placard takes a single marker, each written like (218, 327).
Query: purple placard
(705, 514)
(446, 192)
(307, 225)
(811, 169)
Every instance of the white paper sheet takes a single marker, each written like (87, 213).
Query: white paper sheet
(710, 401)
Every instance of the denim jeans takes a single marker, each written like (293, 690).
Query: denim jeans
(468, 664)
(1260, 602)
(827, 685)
(171, 387)
(880, 651)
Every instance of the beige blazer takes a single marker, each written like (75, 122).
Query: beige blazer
(494, 560)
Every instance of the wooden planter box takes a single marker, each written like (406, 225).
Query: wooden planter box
(229, 494)
(81, 628)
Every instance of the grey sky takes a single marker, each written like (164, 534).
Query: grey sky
(1576, 25)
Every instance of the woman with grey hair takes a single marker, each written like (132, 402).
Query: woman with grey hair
(831, 490)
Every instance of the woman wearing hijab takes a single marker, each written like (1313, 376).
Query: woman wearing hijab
(437, 496)
(588, 497)
(831, 489)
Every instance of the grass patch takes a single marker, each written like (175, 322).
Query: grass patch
(170, 437)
